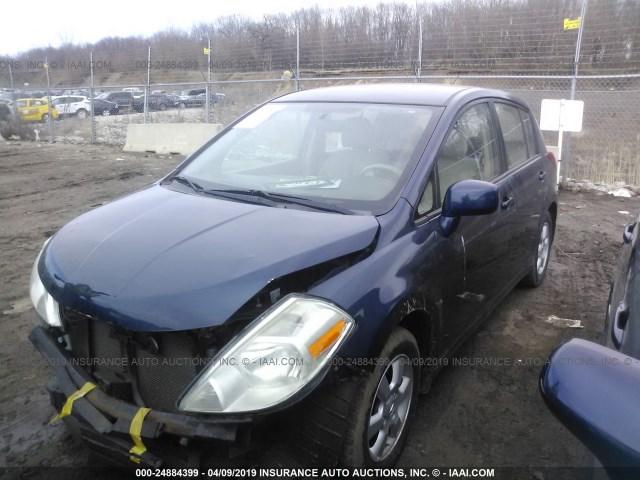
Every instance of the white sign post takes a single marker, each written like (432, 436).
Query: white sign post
(561, 116)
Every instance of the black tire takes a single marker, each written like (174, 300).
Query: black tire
(541, 253)
(106, 112)
(82, 113)
(45, 117)
(333, 424)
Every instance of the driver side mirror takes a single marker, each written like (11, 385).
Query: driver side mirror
(467, 198)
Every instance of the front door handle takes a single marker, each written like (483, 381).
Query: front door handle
(508, 202)
(619, 323)
(541, 175)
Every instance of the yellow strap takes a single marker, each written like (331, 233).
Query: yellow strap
(134, 430)
(66, 409)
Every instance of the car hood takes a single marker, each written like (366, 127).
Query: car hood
(164, 260)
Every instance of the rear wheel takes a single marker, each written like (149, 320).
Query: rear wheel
(106, 112)
(82, 113)
(540, 258)
(45, 117)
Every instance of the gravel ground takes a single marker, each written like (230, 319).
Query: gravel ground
(476, 414)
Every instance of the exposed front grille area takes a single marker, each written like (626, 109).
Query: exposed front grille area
(150, 370)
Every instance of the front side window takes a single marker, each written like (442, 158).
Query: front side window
(515, 142)
(469, 150)
(357, 156)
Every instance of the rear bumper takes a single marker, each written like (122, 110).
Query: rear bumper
(104, 422)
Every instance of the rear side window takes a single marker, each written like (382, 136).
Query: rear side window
(515, 142)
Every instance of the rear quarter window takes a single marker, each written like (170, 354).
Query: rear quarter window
(527, 124)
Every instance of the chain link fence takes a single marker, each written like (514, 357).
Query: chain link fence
(607, 150)
(217, 71)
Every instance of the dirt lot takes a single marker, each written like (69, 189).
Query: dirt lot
(475, 415)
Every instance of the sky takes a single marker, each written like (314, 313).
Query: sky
(55, 22)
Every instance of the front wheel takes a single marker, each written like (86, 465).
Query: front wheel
(363, 422)
(541, 254)
(383, 405)
(45, 117)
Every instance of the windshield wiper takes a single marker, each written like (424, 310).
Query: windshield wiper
(285, 198)
(188, 182)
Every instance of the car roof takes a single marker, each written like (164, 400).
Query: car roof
(394, 93)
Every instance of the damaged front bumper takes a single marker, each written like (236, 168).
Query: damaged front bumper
(129, 434)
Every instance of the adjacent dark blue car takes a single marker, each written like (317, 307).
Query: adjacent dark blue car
(594, 389)
(309, 260)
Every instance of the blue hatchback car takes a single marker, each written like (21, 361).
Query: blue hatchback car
(314, 261)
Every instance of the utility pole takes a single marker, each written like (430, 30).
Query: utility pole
(91, 99)
(297, 58)
(50, 119)
(146, 90)
(566, 158)
(208, 89)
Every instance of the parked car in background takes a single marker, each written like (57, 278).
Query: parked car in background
(155, 101)
(6, 96)
(136, 92)
(192, 101)
(104, 107)
(5, 113)
(302, 266)
(594, 390)
(174, 98)
(78, 92)
(197, 98)
(35, 110)
(124, 100)
(71, 105)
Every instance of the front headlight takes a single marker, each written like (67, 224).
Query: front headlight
(284, 350)
(44, 303)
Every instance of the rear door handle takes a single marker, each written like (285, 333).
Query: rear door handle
(619, 323)
(508, 202)
(541, 175)
(627, 236)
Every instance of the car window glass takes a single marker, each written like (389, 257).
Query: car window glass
(265, 144)
(21, 103)
(528, 131)
(427, 200)
(514, 140)
(469, 150)
(358, 154)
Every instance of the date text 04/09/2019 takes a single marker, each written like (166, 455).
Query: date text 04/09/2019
(316, 472)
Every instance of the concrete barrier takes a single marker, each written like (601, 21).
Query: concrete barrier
(182, 138)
